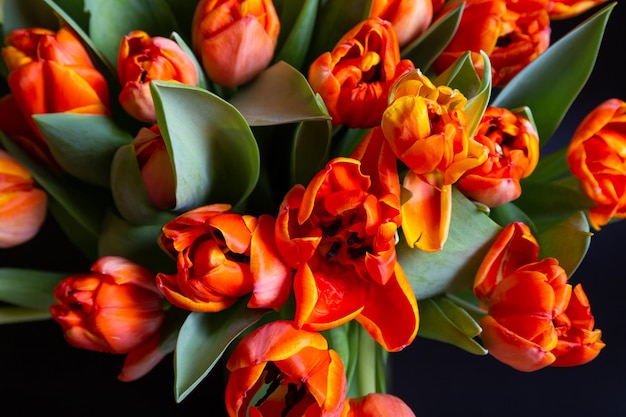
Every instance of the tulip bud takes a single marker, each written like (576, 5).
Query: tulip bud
(235, 39)
(22, 205)
(115, 308)
(374, 405)
(156, 167)
(410, 18)
(142, 59)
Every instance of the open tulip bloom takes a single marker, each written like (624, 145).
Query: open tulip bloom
(306, 187)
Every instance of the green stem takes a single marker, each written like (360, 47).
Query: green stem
(366, 368)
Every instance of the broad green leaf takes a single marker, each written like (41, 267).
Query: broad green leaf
(297, 20)
(566, 241)
(9, 315)
(207, 140)
(113, 19)
(79, 234)
(76, 10)
(477, 101)
(138, 243)
(551, 167)
(453, 268)
(29, 288)
(443, 320)
(428, 46)
(508, 213)
(202, 80)
(83, 144)
(17, 14)
(202, 340)
(550, 83)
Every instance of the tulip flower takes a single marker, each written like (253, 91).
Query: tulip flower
(597, 156)
(513, 146)
(565, 9)
(410, 18)
(355, 77)
(141, 59)
(48, 73)
(340, 238)
(532, 318)
(22, 204)
(375, 405)
(300, 374)
(235, 39)
(511, 33)
(116, 308)
(427, 130)
(156, 167)
(221, 257)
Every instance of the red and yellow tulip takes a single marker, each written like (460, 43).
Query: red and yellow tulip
(22, 203)
(513, 147)
(565, 9)
(115, 308)
(141, 59)
(294, 367)
(410, 18)
(221, 257)
(235, 39)
(355, 77)
(597, 156)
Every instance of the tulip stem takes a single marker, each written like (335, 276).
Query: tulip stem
(366, 368)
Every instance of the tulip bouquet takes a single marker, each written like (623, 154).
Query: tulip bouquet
(297, 189)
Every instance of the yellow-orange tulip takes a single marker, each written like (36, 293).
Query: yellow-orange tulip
(513, 147)
(355, 77)
(301, 375)
(235, 39)
(410, 18)
(22, 204)
(115, 308)
(141, 59)
(376, 405)
(597, 156)
(565, 9)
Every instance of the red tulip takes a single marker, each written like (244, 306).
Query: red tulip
(115, 308)
(221, 257)
(235, 39)
(375, 405)
(513, 147)
(156, 167)
(298, 373)
(410, 18)
(141, 59)
(341, 240)
(22, 204)
(355, 77)
(565, 9)
(597, 156)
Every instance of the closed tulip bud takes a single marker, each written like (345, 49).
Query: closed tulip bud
(235, 39)
(141, 59)
(156, 167)
(22, 204)
(410, 18)
(116, 308)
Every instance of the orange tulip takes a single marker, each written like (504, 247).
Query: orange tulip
(48, 73)
(374, 405)
(565, 9)
(302, 376)
(597, 156)
(235, 39)
(511, 33)
(410, 18)
(513, 147)
(341, 240)
(354, 79)
(115, 308)
(142, 59)
(427, 130)
(156, 167)
(22, 204)
(221, 257)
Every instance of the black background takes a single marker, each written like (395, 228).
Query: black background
(40, 373)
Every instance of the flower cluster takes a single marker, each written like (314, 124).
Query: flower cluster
(296, 177)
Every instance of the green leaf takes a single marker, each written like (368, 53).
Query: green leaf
(550, 83)
(297, 20)
(453, 268)
(566, 241)
(477, 101)
(551, 167)
(17, 14)
(29, 288)
(202, 340)
(428, 46)
(79, 234)
(310, 150)
(443, 320)
(207, 140)
(202, 80)
(508, 213)
(83, 144)
(10, 315)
